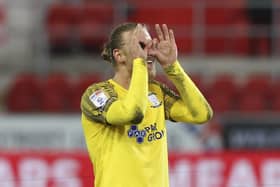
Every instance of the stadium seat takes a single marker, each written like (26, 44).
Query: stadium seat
(252, 102)
(260, 84)
(215, 45)
(179, 18)
(224, 84)
(2, 14)
(197, 79)
(220, 102)
(61, 21)
(224, 13)
(275, 104)
(239, 45)
(169, 15)
(92, 35)
(184, 44)
(95, 25)
(221, 20)
(55, 93)
(23, 94)
(274, 90)
(273, 95)
(264, 46)
(3, 18)
(219, 44)
(217, 16)
(79, 87)
(99, 11)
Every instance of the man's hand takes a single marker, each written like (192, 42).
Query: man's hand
(138, 49)
(164, 48)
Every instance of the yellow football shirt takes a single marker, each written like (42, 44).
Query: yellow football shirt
(134, 153)
(129, 155)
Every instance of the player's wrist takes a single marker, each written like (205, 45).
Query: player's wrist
(139, 60)
(169, 66)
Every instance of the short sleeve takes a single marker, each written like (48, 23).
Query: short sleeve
(96, 100)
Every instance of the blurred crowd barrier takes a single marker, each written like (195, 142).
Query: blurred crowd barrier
(64, 132)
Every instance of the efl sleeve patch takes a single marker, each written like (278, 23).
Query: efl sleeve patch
(98, 98)
(154, 100)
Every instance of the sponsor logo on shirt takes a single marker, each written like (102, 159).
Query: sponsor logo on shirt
(98, 98)
(150, 133)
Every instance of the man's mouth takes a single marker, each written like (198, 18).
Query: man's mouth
(150, 59)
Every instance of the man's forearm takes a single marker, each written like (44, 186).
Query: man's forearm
(196, 107)
(131, 109)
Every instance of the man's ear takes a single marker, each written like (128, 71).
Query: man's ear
(118, 56)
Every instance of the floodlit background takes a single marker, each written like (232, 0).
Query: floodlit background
(50, 53)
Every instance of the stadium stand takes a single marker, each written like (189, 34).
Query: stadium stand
(51, 54)
(220, 102)
(224, 28)
(71, 26)
(260, 84)
(208, 28)
(61, 20)
(23, 94)
(95, 21)
(61, 93)
(249, 103)
(78, 88)
(224, 84)
(55, 93)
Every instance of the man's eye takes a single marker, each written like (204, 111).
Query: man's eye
(142, 45)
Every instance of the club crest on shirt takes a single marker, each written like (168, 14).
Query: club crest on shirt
(98, 98)
(154, 100)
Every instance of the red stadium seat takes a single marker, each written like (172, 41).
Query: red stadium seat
(224, 13)
(252, 103)
(169, 15)
(184, 44)
(92, 35)
(274, 90)
(273, 96)
(2, 14)
(215, 45)
(239, 45)
(3, 19)
(224, 84)
(23, 94)
(89, 79)
(226, 45)
(217, 16)
(61, 19)
(275, 103)
(260, 84)
(79, 88)
(198, 81)
(179, 18)
(220, 102)
(98, 11)
(55, 93)
(156, 3)
(95, 25)
(63, 13)
(220, 20)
